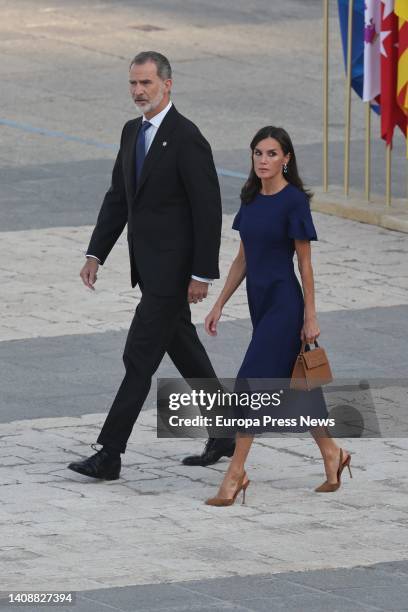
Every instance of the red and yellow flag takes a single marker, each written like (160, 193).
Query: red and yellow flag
(401, 10)
(392, 114)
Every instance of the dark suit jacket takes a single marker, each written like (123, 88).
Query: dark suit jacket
(173, 214)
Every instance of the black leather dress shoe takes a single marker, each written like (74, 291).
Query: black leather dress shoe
(214, 449)
(101, 465)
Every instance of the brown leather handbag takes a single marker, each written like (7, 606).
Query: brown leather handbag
(312, 369)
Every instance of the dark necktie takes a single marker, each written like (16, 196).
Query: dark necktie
(141, 148)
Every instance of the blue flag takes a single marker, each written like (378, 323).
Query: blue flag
(357, 53)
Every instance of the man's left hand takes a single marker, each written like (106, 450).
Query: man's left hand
(197, 291)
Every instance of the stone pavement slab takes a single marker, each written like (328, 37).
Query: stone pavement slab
(356, 266)
(63, 531)
(79, 374)
(378, 587)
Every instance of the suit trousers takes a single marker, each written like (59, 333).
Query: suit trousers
(160, 325)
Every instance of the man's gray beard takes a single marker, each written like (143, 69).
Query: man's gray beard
(153, 104)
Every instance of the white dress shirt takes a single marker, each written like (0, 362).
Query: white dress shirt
(150, 133)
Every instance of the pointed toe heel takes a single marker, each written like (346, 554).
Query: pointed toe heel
(328, 487)
(228, 501)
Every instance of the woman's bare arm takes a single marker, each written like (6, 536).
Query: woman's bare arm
(310, 330)
(236, 275)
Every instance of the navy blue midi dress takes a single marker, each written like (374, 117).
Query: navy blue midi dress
(268, 227)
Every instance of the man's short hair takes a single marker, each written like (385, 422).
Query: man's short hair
(162, 63)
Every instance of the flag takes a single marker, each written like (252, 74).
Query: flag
(391, 113)
(372, 50)
(357, 51)
(401, 10)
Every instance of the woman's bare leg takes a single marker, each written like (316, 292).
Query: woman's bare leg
(236, 467)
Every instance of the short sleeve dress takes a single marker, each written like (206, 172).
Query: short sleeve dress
(268, 227)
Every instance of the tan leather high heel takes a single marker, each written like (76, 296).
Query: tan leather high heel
(328, 487)
(228, 501)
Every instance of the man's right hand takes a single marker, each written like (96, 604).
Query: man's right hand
(88, 272)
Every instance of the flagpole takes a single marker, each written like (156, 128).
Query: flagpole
(348, 100)
(325, 95)
(406, 160)
(367, 150)
(388, 175)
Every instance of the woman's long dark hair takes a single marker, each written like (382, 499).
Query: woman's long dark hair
(253, 184)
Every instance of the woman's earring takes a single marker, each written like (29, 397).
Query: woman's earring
(285, 168)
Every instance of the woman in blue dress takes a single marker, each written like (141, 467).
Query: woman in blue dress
(274, 221)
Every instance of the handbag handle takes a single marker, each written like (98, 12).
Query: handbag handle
(306, 346)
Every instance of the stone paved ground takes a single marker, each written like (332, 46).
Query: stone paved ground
(359, 266)
(147, 542)
(56, 523)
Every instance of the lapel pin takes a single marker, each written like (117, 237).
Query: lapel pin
(164, 143)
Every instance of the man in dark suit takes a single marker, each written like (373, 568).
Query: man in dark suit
(165, 188)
